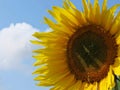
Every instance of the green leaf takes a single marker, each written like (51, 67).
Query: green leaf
(117, 80)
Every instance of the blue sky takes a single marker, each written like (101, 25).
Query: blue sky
(18, 20)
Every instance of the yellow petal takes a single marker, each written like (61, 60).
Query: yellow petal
(71, 4)
(56, 14)
(35, 42)
(103, 84)
(81, 17)
(65, 4)
(66, 82)
(108, 17)
(118, 39)
(113, 8)
(55, 88)
(40, 77)
(116, 26)
(77, 85)
(86, 9)
(49, 22)
(57, 62)
(93, 15)
(116, 66)
(95, 87)
(70, 21)
(40, 62)
(60, 28)
(117, 62)
(104, 6)
(97, 13)
(118, 52)
(67, 15)
(41, 43)
(91, 86)
(45, 83)
(41, 35)
(96, 3)
(108, 81)
(60, 68)
(40, 57)
(41, 70)
(106, 20)
(56, 77)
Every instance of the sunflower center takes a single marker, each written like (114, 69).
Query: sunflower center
(91, 51)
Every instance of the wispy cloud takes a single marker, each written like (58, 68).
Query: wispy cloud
(15, 46)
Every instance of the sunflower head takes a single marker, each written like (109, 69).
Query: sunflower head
(82, 50)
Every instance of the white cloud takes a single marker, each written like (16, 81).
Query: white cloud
(15, 46)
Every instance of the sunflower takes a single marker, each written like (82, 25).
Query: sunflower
(82, 51)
